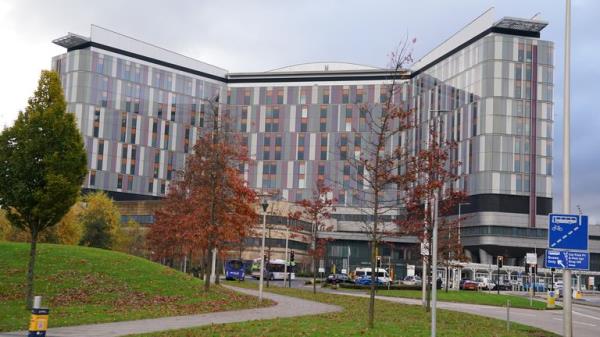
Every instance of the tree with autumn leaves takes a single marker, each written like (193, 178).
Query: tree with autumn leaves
(432, 173)
(209, 206)
(317, 211)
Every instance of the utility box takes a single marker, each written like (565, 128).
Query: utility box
(39, 322)
(551, 300)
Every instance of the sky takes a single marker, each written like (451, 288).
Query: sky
(262, 35)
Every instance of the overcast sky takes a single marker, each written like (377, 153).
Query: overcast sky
(263, 35)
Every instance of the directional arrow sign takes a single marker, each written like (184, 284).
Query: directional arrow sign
(568, 231)
(562, 259)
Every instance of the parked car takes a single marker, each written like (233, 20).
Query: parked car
(466, 284)
(366, 281)
(485, 283)
(503, 286)
(338, 278)
(413, 280)
(382, 274)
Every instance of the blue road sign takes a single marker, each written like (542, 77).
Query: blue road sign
(568, 231)
(562, 259)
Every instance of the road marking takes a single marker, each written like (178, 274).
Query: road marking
(586, 315)
(582, 323)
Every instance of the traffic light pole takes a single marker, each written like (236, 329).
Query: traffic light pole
(498, 277)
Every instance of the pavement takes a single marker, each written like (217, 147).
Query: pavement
(286, 307)
(586, 320)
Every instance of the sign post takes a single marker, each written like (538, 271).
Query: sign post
(567, 250)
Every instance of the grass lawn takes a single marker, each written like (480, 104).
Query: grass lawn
(86, 285)
(473, 297)
(391, 319)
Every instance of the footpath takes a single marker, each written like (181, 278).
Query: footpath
(286, 307)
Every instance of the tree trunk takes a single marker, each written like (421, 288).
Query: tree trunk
(430, 280)
(217, 270)
(30, 274)
(314, 274)
(447, 276)
(370, 322)
(207, 270)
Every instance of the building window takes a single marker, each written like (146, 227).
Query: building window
(170, 166)
(159, 112)
(475, 120)
(96, 122)
(120, 181)
(278, 148)
(92, 178)
(123, 126)
(344, 147)
(360, 92)
(266, 148)
(173, 110)
(186, 140)
(272, 120)
(100, 155)
(300, 151)
(323, 148)
(150, 187)
(326, 96)
(345, 95)
(133, 160)
(269, 175)
(244, 119)
(166, 143)
(156, 163)
(129, 183)
(321, 172)
(123, 159)
(133, 130)
(323, 119)
(163, 188)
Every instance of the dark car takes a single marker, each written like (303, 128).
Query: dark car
(503, 286)
(338, 278)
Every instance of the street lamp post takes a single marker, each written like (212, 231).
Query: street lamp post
(434, 238)
(264, 205)
(566, 202)
(434, 257)
(285, 266)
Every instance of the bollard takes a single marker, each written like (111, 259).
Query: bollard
(507, 315)
(551, 300)
(39, 319)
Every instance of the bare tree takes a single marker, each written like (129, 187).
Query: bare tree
(318, 210)
(376, 163)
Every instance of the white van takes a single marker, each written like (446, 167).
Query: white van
(382, 274)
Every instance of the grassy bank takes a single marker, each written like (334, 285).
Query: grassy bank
(86, 285)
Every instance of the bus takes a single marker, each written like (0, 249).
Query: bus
(235, 270)
(275, 270)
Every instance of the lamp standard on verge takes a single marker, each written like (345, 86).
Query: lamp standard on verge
(264, 205)
(566, 202)
(434, 236)
(286, 259)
